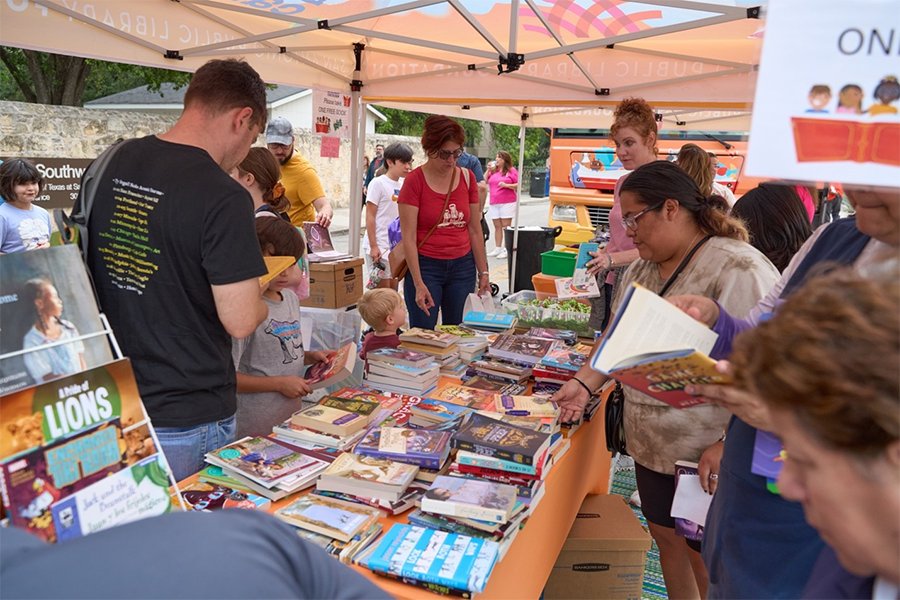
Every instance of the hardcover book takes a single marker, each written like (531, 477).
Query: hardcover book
(324, 516)
(329, 420)
(484, 320)
(319, 244)
(429, 337)
(432, 556)
(400, 356)
(520, 347)
(421, 447)
(657, 349)
(525, 406)
(493, 438)
(206, 497)
(470, 498)
(334, 369)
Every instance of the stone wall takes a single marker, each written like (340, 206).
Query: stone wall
(38, 130)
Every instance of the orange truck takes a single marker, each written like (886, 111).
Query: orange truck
(584, 170)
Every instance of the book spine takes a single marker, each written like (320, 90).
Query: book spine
(492, 452)
(452, 509)
(498, 464)
(437, 588)
(514, 478)
(409, 459)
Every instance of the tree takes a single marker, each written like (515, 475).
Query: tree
(45, 78)
(407, 122)
(537, 143)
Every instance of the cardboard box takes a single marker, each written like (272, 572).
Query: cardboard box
(604, 555)
(335, 284)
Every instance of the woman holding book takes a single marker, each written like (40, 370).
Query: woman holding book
(441, 225)
(686, 244)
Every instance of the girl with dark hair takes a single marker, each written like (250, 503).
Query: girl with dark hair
(49, 328)
(504, 183)
(886, 92)
(23, 226)
(775, 218)
(259, 173)
(441, 226)
(685, 243)
(270, 361)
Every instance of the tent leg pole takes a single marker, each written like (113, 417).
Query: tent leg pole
(515, 245)
(357, 146)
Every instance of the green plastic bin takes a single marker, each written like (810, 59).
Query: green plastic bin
(559, 264)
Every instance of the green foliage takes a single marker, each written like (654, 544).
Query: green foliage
(29, 76)
(407, 122)
(537, 143)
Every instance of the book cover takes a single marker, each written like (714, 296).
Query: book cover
(567, 336)
(364, 408)
(768, 455)
(461, 395)
(387, 402)
(324, 516)
(467, 334)
(25, 277)
(400, 416)
(516, 479)
(261, 459)
(406, 501)
(216, 475)
(205, 497)
(429, 555)
(657, 349)
(566, 358)
(34, 481)
(419, 447)
(481, 382)
(684, 527)
(400, 356)
(274, 266)
(303, 436)
(489, 320)
(568, 289)
(471, 498)
(337, 367)
(137, 492)
(370, 470)
(443, 523)
(493, 438)
(532, 423)
(429, 337)
(538, 469)
(388, 383)
(439, 410)
(429, 371)
(329, 420)
(521, 347)
(319, 244)
(580, 276)
(525, 406)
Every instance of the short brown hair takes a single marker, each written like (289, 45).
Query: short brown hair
(279, 237)
(829, 356)
(375, 305)
(262, 165)
(222, 85)
(637, 114)
(438, 130)
(17, 171)
(695, 162)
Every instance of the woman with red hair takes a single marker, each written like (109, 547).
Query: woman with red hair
(441, 227)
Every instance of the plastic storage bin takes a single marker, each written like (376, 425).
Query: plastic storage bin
(538, 316)
(544, 285)
(559, 263)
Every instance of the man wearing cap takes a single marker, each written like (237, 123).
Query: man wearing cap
(300, 180)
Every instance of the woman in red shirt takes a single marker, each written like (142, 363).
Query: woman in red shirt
(442, 270)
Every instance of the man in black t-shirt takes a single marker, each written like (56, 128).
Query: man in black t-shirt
(175, 259)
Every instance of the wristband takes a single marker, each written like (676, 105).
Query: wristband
(587, 389)
(609, 262)
(480, 273)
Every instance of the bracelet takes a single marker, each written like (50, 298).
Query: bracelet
(609, 263)
(488, 273)
(587, 389)
(612, 262)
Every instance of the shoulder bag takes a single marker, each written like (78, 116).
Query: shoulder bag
(399, 266)
(614, 411)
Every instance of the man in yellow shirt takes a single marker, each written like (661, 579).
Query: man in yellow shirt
(300, 180)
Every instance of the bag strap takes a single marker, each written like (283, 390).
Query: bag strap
(683, 264)
(81, 211)
(441, 216)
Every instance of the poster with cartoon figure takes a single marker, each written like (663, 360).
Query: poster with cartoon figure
(331, 113)
(828, 94)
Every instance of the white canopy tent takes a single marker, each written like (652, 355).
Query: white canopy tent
(534, 63)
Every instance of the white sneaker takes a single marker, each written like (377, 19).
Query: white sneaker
(494, 252)
(502, 254)
(635, 499)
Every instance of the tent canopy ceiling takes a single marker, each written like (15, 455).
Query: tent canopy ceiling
(566, 61)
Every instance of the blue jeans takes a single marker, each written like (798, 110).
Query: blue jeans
(184, 447)
(450, 281)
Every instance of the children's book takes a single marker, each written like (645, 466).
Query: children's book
(466, 334)
(324, 516)
(580, 276)
(260, 459)
(657, 349)
(206, 497)
(319, 244)
(327, 419)
(492, 438)
(684, 527)
(363, 408)
(400, 416)
(304, 435)
(337, 367)
(568, 289)
(470, 498)
(474, 459)
(439, 410)
(453, 560)
(525, 406)
(401, 356)
(368, 473)
(429, 337)
(274, 266)
(567, 358)
(428, 449)
(521, 348)
(490, 321)
(462, 395)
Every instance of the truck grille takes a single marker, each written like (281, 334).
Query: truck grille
(599, 215)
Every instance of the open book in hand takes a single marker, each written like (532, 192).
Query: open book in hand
(657, 349)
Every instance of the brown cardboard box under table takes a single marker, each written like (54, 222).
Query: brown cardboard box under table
(604, 555)
(335, 284)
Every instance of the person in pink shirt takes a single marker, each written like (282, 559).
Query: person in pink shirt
(504, 183)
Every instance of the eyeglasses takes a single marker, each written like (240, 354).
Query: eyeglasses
(445, 154)
(631, 222)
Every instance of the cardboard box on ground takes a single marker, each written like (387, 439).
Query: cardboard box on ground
(335, 284)
(604, 554)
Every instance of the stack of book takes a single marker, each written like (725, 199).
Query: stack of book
(367, 477)
(566, 336)
(267, 467)
(490, 322)
(408, 500)
(521, 348)
(420, 447)
(525, 406)
(430, 413)
(500, 369)
(325, 425)
(472, 343)
(442, 346)
(402, 371)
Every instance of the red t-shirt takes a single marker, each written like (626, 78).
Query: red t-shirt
(374, 342)
(451, 238)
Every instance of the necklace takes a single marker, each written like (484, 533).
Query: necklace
(686, 250)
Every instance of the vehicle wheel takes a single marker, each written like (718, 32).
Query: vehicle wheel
(495, 289)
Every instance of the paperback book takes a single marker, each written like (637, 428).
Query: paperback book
(429, 337)
(367, 476)
(329, 420)
(538, 469)
(684, 527)
(334, 369)
(470, 498)
(657, 349)
(363, 408)
(496, 439)
(326, 517)
(206, 497)
(521, 348)
(399, 356)
(462, 395)
(260, 459)
(525, 406)
(421, 447)
(490, 321)
(567, 336)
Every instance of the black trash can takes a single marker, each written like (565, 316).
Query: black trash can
(539, 183)
(533, 241)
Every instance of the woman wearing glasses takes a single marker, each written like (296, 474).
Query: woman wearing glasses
(685, 243)
(441, 227)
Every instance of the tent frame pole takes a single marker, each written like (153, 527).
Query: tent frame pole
(515, 241)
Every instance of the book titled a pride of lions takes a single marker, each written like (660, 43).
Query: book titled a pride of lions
(654, 347)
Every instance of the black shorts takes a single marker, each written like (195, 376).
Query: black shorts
(657, 492)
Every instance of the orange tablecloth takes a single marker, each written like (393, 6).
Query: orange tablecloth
(524, 570)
